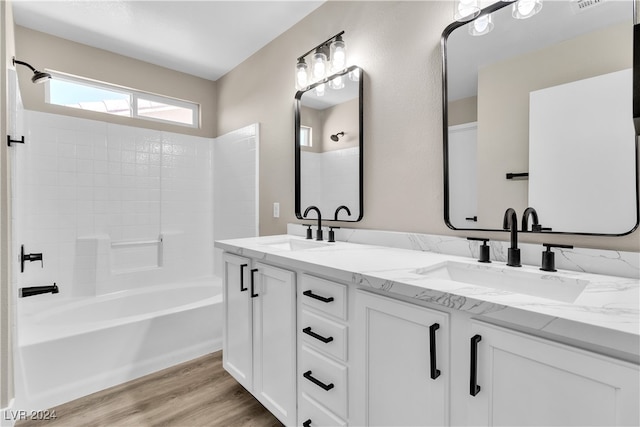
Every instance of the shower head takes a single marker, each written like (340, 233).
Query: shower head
(38, 76)
(337, 136)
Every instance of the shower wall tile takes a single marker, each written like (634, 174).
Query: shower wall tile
(82, 179)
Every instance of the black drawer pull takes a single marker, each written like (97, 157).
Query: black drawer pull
(319, 383)
(318, 297)
(309, 332)
(253, 294)
(307, 423)
(474, 388)
(435, 372)
(242, 288)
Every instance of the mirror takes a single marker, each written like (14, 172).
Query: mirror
(328, 147)
(538, 112)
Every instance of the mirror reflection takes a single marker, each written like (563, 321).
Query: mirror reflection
(538, 113)
(329, 147)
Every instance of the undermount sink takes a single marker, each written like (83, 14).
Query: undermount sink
(535, 283)
(295, 244)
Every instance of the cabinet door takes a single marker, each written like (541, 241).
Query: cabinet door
(274, 340)
(526, 380)
(396, 384)
(237, 353)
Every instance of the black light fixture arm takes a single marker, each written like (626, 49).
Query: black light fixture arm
(320, 45)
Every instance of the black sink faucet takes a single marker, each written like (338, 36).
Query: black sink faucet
(530, 212)
(335, 216)
(510, 222)
(319, 231)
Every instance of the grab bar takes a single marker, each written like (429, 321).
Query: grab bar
(136, 243)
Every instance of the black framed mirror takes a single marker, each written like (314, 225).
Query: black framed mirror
(328, 147)
(538, 113)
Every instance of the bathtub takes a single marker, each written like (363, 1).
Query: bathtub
(72, 347)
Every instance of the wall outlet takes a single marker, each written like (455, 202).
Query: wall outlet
(276, 210)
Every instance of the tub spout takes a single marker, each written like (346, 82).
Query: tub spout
(36, 290)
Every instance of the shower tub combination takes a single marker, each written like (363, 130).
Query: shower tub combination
(87, 344)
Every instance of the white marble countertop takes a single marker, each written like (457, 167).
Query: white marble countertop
(606, 313)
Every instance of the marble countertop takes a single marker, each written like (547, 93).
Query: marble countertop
(605, 313)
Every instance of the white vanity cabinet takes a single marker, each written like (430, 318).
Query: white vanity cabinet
(260, 332)
(522, 379)
(323, 374)
(401, 369)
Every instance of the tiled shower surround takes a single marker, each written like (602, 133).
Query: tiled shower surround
(108, 205)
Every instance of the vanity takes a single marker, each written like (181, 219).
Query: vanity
(356, 334)
(373, 331)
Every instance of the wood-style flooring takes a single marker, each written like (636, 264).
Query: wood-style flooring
(196, 393)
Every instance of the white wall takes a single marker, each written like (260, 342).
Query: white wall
(235, 190)
(84, 186)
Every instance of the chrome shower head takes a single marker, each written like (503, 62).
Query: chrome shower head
(337, 136)
(38, 76)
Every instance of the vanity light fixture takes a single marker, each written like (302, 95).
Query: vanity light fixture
(466, 10)
(481, 25)
(523, 9)
(38, 76)
(330, 55)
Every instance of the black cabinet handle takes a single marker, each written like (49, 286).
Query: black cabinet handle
(253, 294)
(317, 382)
(474, 388)
(318, 297)
(242, 288)
(435, 372)
(307, 423)
(309, 332)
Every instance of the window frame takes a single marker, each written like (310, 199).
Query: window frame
(134, 96)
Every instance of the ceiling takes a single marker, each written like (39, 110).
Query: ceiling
(203, 38)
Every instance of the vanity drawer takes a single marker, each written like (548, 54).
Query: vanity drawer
(324, 380)
(311, 413)
(324, 335)
(324, 295)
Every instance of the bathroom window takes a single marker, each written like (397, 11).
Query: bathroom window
(305, 136)
(85, 94)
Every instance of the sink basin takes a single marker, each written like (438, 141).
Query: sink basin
(295, 244)
(535, 283)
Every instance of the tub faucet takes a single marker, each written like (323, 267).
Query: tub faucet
(335, 216)
(510, 222)
(36, 290)
(319, 231)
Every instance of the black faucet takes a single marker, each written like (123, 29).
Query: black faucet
(36, 290)
(335, 216)
(510, 222)
(29, 257)
(319, 231)
(535, 225)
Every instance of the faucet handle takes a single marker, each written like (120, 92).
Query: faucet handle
(332, 237)
(308, 230)
(484, 255)
(548, 257)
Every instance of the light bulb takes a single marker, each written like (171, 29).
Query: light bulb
(354, 75)
(320, 90)
(302, 74)
(481, 26)
(466, 10)
(319, 65)
(337, 83)
(338, 54)
(523, 9)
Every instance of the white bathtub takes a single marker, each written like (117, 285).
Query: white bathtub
(68, 348)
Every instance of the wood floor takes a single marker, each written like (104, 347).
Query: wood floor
(195, 393)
